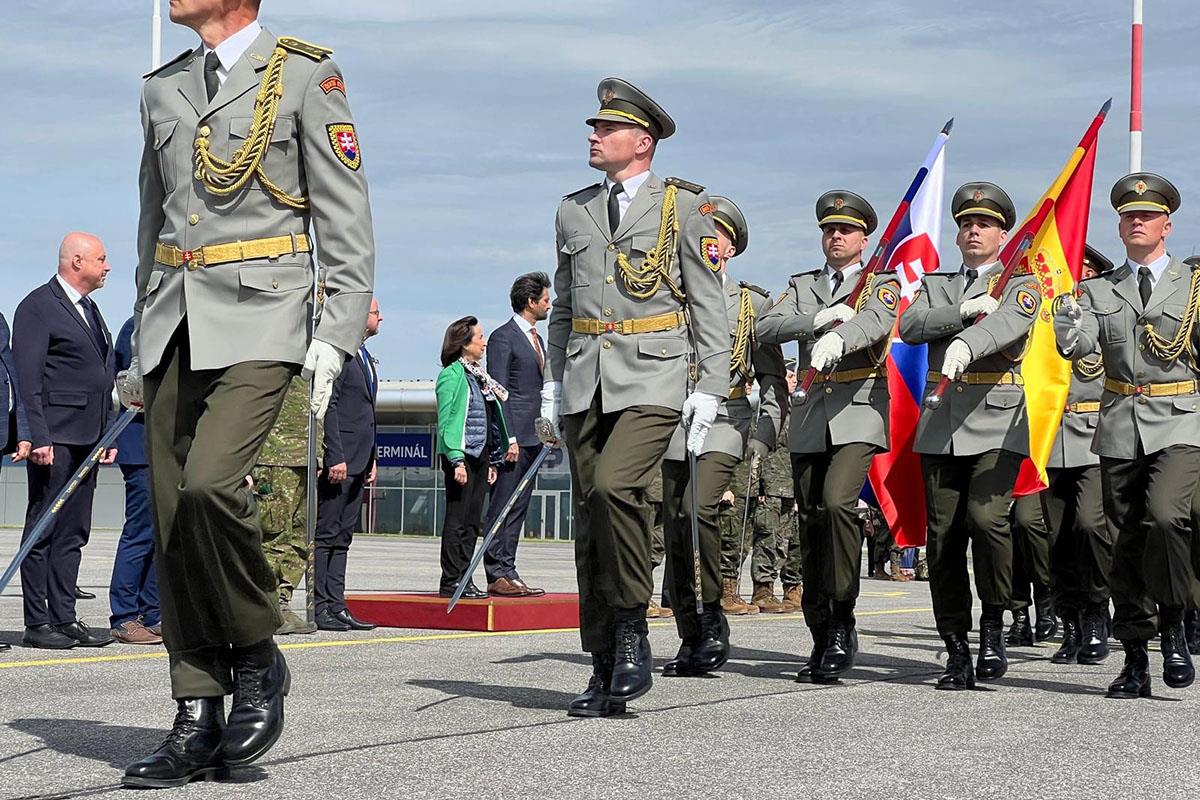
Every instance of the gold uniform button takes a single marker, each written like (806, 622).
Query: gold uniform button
(958, 389)
(193, 219)
(1143, 400)
(1141, 347)
(612, 247)
(608, 279)
(664, 351)
(608, 312)
(607, 345)
(275, 284)
(205, 130)
(828, 390)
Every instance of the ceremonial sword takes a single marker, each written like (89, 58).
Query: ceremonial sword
(548, 436)
(695, 492)
(43, 523)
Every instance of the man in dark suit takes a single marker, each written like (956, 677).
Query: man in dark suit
(64, 357)
(14, 423)
(133, 590)
(349, 469)
(516, 357)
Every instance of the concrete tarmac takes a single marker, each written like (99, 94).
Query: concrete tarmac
(431, 714)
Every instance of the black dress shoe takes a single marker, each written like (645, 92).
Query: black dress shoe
(5, 646)
(1045, 625)
(820, 637)
(261, 681)
(1191, 626)
(840, 650)
(80, 594)
(355, 624)
(472, 592)
(993, 661)
(83, 635)
(1178, 671)
(958, 674)
(1093, 636)
(595, 700)
(632, 665)
(191, 752)
(326, 621)
(713, 650)
(1020, 634)
(47, 637)
(1068, 651)
(1134, 680)
(682, 665)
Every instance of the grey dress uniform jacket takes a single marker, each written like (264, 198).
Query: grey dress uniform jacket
(1114, 324)
(1073, 446)
(973, 418)
(837, 412)
(256, 309)
(731, 431)
(636, 368)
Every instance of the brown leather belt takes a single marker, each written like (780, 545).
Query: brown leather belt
(598, 327)
(849, 375)
(212, 254)
(1083, 407)
(1150, 389)
(982, 378)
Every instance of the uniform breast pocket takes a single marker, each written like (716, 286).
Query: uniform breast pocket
(575, 247)
(1170, 321)
(573, 347)
(281, 134)
(1112, 323)
(639, 246)
(164, 132)
(1004, 397)
(152, 284)
(662, 348)
(275, 279)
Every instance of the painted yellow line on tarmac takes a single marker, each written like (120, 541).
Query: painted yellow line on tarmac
(424, 637)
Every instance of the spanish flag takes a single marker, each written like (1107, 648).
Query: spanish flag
(1058, 226)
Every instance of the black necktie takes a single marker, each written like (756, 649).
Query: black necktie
(971, 275)
(836, 281)
(1145, 287)
(94, 324)
(211, 83)
(614, 207)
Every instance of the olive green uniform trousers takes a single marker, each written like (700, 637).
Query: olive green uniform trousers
(1033, 541)
(1081, 558)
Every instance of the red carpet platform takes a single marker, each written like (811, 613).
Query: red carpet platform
(490, 614)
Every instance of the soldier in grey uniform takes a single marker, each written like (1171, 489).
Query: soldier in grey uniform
(249, 143)
(834, 434)
(705, 639)
(973, 443)
(1073, 507)
(636, 295)
(1141, 317)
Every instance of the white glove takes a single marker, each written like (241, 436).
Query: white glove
(699, 414)
(984, 304)
(1068, 319)
(958, 356)
(322, 364)
(129, 384)
(552, 402)
(827, 351)
(827, 316)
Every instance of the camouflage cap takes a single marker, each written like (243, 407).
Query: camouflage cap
(1096, 260)
(985, 199)
(1144, 191)
(840, 205)
(621, 101)
(730, 219)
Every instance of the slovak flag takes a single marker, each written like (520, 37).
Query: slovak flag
(895, 476)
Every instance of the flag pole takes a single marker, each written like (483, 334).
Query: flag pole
(1135, 90)
(155, 34)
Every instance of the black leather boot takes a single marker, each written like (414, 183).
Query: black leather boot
(959, 673)
(192, 751)
(1068, 651)
(594, 701)
(820, 636)
(1020, 634)
(632, 666)
(993, 661)
(1134, 680)
(1191, 626)
(842, 646)
(713, 650)
(1093, 636)
(1178, 671)
(261, 680)
(1046, 624)
(683, 664)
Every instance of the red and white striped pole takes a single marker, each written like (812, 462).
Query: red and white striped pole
(1135, 91)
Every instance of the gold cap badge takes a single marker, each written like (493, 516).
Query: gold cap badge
(1140, 187)
(838, 203)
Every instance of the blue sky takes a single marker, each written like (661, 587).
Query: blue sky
(471, 121)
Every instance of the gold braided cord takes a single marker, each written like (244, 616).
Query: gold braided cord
(221, 177)
(1090, 368)
(739, 361)
(643, 281)
(1171, 349)
(865, 295)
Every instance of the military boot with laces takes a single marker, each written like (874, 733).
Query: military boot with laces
(595, 701)
(1134, 680)
(261, 681)
(1020, 633)
(820, 637)
(993, 660)
(632, 663)
(192, 750)
(1093, 636)
(1068, 651)
(732, 601)
(958, 674)
(841, 647)
(713, 650)
(1045, 622)
(1178, 670)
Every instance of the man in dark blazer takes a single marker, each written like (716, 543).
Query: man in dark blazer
(349, 468)
(64, 357)
(516, 357)
(14, 423)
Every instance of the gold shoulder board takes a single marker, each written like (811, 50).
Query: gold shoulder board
(313, 51)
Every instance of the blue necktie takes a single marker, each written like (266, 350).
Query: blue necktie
(95, 325)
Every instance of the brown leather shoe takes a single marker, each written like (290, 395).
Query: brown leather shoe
(503, 587)
(530, 591)
(134, 632)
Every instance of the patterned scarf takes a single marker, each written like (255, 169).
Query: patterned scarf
(491, 389)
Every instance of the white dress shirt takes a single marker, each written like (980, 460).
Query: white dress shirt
(849, 274)
(75, 297)
(525, 326)
(1157, 267)
(230, 50)
(629, 188)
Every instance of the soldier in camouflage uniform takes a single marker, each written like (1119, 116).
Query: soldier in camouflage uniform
(658, 550)
(280, 487)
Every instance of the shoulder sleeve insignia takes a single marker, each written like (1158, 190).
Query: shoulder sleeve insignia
(706, 208)
(887, 295)
(333, 84)
(1028, 302)
(710, 251)
(344, 141)
(174, 60)
(314, 51)
(694, 188)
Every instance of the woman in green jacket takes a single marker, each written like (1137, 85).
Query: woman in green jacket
(471, 440)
